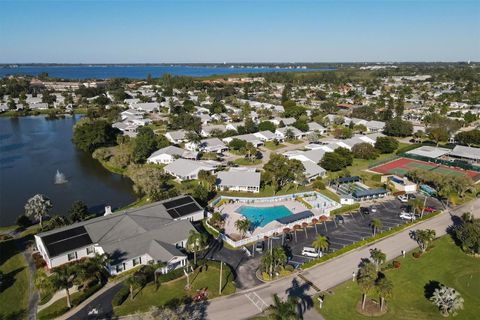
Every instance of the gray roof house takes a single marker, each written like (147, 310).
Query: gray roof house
(207, 130)
(184, 169)
(313, 170)
(155, 232)
(281, 133)
(265, 135)
(237, 180)
(315, 127)
(249, 137)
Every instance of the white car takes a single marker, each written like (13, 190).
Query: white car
(311, 252)
(407, 216)
(403, 198)
(373, 209)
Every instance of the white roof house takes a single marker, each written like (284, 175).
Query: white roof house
(184, 169)
(146, 106)
(253, 139)
(169, 154)
(234, 125)
(315, 127)
(286, 121)
(207, 130)
(177, 136)
(236, 180)
(207, 145)
(313, 170)
(429, 151)
(265, 135)
(467, 153)
(375, 126)
(281, 133)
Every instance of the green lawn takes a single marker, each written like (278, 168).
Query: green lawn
(149, 296)
(247, 162)
(272, 146)
(14, 289)
(445, 263)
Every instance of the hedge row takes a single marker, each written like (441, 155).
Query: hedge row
(345, 209)
(366, 241)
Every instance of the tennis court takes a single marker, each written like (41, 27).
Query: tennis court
(402, 165)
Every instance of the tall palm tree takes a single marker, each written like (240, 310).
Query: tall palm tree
(283, 310)
(320, 243)
(93, 267)
(196, 242)
(375, 224)
(63, 278)
(366, 277)
(378, 257)
(384, 288)
(242, 226)
(423, 238)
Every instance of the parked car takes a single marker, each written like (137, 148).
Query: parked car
(403, 198)
(311, 252)
(407, 216)
(373, 209)
(364, 210)
(260, 246)
(339, 219)
(428, 209)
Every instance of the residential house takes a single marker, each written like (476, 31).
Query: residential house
(176, 137)
(281, 133)
(154, 233)
(207, 130)
(265, 135)
(169, 154)
(207, 145)
(184, 169)
(239, 179)
(250, 137)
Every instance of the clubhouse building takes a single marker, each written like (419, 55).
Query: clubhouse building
(153, 233)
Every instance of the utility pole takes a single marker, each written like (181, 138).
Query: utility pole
(221, 272)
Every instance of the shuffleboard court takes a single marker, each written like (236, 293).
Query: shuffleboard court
(402, 165)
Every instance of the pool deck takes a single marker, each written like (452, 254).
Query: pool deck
(229, 212)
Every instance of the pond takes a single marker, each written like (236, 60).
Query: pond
(32, 149)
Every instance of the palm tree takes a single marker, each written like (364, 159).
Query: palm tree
(423, 237)
(366, 277)
(385, 289)
(417, 205)
(320, 243)
(378, 257)
(63, 278)
(132, 282)
(242, 226)
(37, 208)
(283, 310)
(375, 224)
(304, 226)
(315, 222)
(93, 267)
(196, 242)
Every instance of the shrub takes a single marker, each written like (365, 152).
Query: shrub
(265, 276)
(318, 184)
(172, 275)
(38, 260)
(23, 221)
(345, 209)
(289, 267)
(120, 296)
(396, 264)
(417, 254)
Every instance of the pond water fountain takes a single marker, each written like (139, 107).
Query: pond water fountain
(60, 178)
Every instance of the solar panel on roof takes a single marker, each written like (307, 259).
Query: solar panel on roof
(295, 217)
(187, 209)
(173, 213)
(70, 244)
(177, 202)
(63, 235)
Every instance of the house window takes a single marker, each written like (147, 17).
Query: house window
(137, 261)
(72, 256)
(90, 250)
(119, 268)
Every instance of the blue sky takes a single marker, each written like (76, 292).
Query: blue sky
(124, 31)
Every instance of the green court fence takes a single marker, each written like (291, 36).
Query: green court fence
(455, 163)
(383, 161)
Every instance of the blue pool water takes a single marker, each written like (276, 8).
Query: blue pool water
(260, 217)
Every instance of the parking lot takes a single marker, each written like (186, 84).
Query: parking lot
(355, 227)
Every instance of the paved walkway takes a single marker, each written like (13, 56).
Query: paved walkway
(328, 274)
(57, 296)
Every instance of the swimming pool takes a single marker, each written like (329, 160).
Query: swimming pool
(260, 217)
